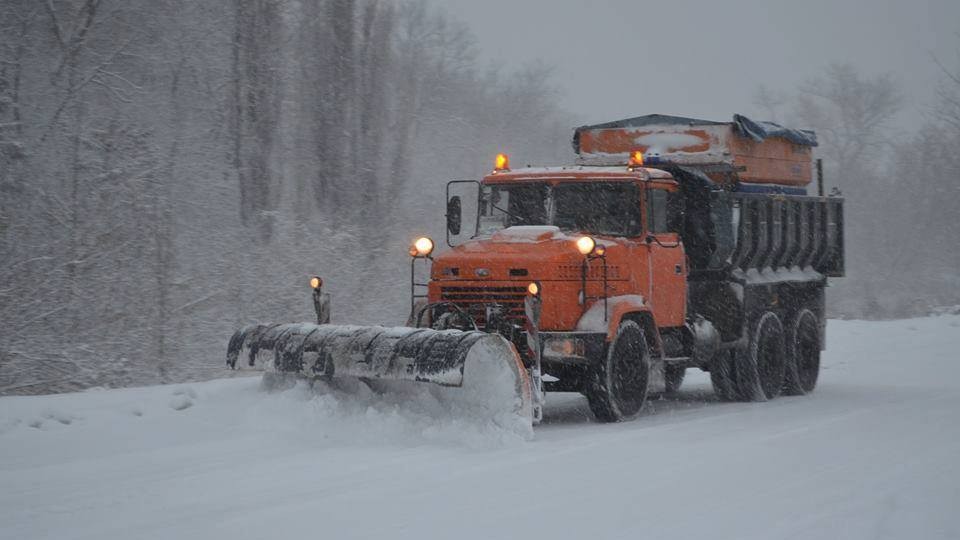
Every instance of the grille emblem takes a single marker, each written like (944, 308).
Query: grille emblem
(482, 272)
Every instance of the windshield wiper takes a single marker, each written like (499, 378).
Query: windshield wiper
(521, 218)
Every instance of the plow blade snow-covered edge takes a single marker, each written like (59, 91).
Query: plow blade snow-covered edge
(473, 373)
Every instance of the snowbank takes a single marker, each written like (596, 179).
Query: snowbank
(871, 454)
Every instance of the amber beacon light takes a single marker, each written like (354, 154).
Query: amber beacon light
(501, 163)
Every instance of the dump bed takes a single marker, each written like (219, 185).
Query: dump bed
(779, 233)
(735, 231)
(739, 152)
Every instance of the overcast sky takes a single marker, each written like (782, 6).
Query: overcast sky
(621, 58)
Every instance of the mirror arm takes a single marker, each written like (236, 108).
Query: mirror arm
(450, 183)
(653, 239)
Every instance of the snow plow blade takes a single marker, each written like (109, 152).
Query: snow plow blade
(484, 367)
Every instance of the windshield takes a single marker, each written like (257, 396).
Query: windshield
(607, 208)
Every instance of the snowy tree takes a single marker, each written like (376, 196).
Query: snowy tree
(172, 169)
(254, 112)
(898, 185)
(851, 114)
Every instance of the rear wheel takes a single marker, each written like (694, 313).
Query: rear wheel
(617, 388)
(803, 353)
(760, 367)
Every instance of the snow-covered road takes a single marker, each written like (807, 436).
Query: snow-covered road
(873, 453)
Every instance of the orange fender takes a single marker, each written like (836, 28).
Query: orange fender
(617, 306)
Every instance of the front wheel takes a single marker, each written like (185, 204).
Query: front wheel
(617, 388)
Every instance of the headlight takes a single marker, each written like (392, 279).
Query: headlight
(316, 282)
(564, 348)
(585, 245)
(533, 288)
(421, 247)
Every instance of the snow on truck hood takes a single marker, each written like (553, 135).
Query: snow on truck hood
(517, 242)
(529, 234)
(519, 239)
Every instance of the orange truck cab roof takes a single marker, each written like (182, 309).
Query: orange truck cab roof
(580, 173)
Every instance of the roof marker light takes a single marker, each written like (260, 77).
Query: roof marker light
(501, 163)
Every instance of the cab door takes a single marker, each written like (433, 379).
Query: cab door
(667, 265)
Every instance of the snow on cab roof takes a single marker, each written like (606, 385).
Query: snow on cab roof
(577, 172)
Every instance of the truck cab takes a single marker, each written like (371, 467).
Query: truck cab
(528, 231)
(600, 247)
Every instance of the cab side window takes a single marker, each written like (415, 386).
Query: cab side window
(656, 210)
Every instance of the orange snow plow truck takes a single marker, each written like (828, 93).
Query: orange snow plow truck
(671, 243)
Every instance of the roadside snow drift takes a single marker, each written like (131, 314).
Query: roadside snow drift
(871, 454)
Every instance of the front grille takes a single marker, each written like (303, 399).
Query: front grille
(594, 272)
(474, 300)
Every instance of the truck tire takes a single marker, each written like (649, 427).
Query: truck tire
(803, 353)
(673, 378)
(761, 365)
(723, 376)
(617, 388)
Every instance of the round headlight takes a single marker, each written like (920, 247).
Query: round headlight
(585, 245)
(422, 247)
(315, 282)
(533, 288)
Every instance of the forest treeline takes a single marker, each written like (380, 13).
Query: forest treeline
(901, 184)
(172, 169)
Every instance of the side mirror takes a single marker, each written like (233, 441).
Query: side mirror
(454, 215)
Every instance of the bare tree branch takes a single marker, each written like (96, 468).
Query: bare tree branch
(72, 93)
(57, 31)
